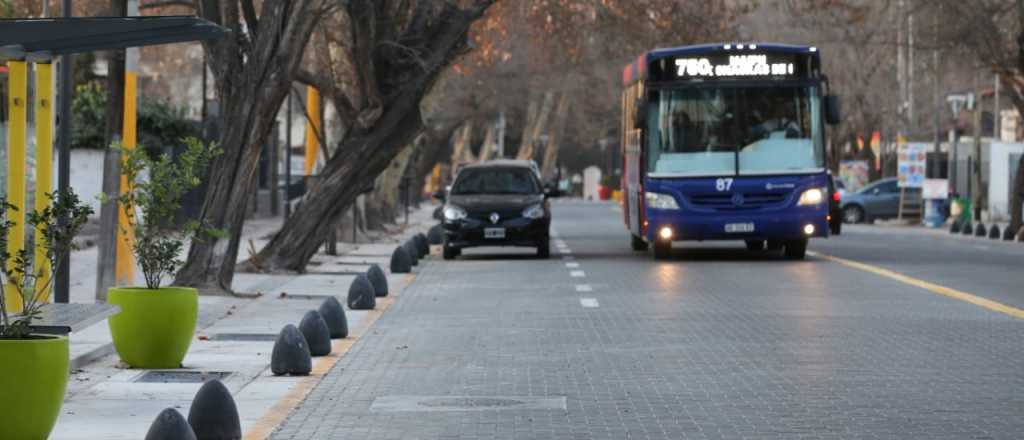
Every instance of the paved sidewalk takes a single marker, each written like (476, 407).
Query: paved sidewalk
(234, 336)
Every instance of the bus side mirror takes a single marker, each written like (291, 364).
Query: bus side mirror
(832, 113)
(640, 114)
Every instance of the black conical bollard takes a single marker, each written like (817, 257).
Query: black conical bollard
(334, 316)
(994, 233)
(213, 415)
(170, 425)
(1008, 234)
(423, 244)
(967, 229)
(435, 235)
(378, 280)
(291, 353)
(413, 252)
(979, 231)
(318, 336)
(954, 228)
(361, 295)
(401, 262)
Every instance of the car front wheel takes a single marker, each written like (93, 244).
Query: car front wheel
(853, 214)
(544, 248)
(450, 252)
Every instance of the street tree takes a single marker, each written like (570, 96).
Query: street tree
(396, 50)
(253, 69)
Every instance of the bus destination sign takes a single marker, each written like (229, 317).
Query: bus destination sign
(738, 65)
(730, 66)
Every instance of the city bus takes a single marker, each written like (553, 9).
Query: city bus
(726, 142)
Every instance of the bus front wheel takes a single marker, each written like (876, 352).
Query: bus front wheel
(796, 249)
(638, 243)
(662, 250)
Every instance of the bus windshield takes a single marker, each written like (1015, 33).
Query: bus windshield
(713, 130)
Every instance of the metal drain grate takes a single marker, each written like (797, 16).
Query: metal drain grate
(171, 376)
(466, 403)
(243, 337)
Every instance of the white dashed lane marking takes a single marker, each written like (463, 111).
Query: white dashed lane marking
(573, 265)
(584, 288)
(589, 303)
(577, 273)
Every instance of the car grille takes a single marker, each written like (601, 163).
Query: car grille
(484, 215)
(725, 202)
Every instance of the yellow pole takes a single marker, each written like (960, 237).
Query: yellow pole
(44, 168)
(124, 272)
(312, 127)
(17, 94)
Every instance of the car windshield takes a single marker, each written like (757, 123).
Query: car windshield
(495, 181)
(712, 131)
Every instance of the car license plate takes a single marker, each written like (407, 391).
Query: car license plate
(739, 227)
(494, 232)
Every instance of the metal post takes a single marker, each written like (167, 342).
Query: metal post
(63, 280)
(405, 195)
(288, 158)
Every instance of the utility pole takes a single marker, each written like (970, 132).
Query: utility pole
(288, 157)
(996, 118)
(910, 76)
(937, 78)
(63, 281)
(977, 192)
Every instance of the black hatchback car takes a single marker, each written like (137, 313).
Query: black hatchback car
(496, 203)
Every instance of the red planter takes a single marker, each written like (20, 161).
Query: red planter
(604, 192)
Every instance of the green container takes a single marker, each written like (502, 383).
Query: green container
(33, 377)
(155, 326)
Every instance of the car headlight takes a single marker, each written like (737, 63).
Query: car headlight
(534, 212)
(812, 196)
(453, 213)
(660, 201)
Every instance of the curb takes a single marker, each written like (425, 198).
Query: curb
(84, 359)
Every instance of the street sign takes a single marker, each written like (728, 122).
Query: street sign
(911, 165)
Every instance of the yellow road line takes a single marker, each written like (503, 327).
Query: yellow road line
(277, 414)
(931, 287)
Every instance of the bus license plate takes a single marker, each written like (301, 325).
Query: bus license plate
(739, 227)
(494, 232)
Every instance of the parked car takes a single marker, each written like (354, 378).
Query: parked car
(878, 200)
(835, 217)
(497, 203)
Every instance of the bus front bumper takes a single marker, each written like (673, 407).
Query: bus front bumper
(788, 225)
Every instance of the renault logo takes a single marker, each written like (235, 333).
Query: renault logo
(495, 217)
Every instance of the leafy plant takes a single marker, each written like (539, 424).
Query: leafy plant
(28, 278)
(157, 239)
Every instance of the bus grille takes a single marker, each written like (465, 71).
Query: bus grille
(725, 202)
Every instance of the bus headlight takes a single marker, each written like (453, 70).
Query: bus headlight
(811, 196)
(453, 213)
(660, 201)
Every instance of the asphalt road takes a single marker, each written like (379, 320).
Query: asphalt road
(602, 342)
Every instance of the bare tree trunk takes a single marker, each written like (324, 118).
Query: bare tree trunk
(487, 149)
(441, 29)
(538, 128)
(550, 160)
(462, 150)
(107, 247)
(253, 76)
(383, 204)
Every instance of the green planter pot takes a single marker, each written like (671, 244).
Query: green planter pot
(33, 377)
(155, 326)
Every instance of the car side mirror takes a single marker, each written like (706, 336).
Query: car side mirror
(833, 116)
(876, 191)
(551, 192)
(439, 195)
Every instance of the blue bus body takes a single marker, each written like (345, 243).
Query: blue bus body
(758, 197)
